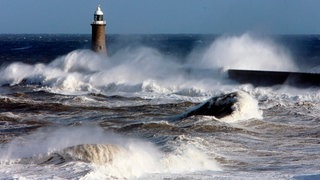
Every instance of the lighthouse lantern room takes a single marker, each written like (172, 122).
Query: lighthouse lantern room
(98, 16)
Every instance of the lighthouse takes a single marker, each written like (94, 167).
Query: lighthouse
(98, 38)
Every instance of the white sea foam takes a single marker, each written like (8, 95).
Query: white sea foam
(246, 107)
(143, 161)
(145, 72)
(187, 158)
(247, 52)
(136, 159)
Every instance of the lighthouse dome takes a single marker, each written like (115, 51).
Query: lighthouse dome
(98, 17)
(98, 11)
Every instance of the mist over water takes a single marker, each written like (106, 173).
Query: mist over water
(145, 69)
(247, 52)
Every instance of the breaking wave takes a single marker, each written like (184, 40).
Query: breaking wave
(109, 155)
(145, 70)
(247, 52)
(246, 107)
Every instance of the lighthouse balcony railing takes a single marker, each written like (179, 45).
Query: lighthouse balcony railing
(99, 22)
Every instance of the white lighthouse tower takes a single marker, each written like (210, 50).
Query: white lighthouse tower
(98, 32)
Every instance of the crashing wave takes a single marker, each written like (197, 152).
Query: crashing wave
(89, 153)
(230, 107)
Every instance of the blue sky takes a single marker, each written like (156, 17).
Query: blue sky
(162, 16)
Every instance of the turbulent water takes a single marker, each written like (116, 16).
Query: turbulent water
(69, 113)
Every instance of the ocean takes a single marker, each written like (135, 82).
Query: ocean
(69, 113)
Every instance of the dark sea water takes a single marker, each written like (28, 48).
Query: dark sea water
(69, 113)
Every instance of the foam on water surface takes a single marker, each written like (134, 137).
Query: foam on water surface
(122, 157)
(272, 131)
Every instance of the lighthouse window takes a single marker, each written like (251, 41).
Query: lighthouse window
(99, 17)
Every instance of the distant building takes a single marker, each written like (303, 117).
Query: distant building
(98, 33)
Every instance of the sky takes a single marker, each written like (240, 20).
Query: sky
(162, 16)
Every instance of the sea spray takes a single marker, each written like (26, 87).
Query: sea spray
(231, 107)
(246, 52)
(142, 161)
(16, 72)
(84, 61)
(245, 108)
(111, 155)
(283, 145)
(188, 158)
(47, 140)
(143, 70)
